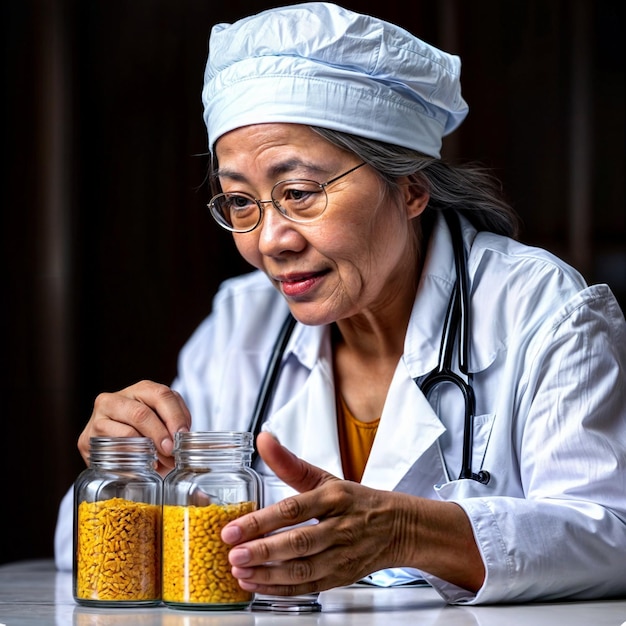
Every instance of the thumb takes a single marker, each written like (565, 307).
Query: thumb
(294, 471)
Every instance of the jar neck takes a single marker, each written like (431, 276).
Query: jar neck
(218, 449)
(122, 452)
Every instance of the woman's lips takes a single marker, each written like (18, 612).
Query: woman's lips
(294, 286)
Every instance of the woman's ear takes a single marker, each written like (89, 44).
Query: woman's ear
(415, 194)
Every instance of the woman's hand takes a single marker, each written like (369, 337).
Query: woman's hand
(146, 409)
(359, 530)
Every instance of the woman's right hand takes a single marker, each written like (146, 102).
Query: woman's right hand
(145, 409)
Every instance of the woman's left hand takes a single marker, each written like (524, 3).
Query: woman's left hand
(357, 531)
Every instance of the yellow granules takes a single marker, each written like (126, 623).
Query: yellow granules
(118, 551)
(195, 559)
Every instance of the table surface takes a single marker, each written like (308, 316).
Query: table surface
(32, 593)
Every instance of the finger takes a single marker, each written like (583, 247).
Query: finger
(333, 568)
(290, 511)
(293, 543)
(278, 580)
(123, 415)
(336, 566)
(102, 426)
(145, 409)
(164, 403)
(296, 472)
(112, 428)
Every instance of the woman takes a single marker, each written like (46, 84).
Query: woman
(325, 128)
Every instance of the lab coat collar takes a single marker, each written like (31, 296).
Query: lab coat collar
(410, 428)
(423, 340)
(308, 344)
(306, 424)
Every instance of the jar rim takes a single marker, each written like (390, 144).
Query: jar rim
(123, 443)
(217, 439)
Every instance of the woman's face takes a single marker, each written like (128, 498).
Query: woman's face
(358, 258)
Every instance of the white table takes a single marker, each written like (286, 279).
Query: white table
(32, 593)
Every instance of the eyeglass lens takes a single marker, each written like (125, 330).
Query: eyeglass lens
(299, 200)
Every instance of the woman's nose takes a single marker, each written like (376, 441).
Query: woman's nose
(277, 234)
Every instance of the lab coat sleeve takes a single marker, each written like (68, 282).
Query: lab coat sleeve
(566, 539)
(63, 534)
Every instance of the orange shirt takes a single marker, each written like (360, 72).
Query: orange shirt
(355, 441)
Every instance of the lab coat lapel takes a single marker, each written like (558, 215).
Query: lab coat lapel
(408, 432)
(307, 424)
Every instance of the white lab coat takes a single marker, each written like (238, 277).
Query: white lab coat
(548, 357)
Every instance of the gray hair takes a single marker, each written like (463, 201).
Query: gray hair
(471, 189)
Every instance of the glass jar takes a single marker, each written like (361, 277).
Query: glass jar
(117, 524)
(211, 485)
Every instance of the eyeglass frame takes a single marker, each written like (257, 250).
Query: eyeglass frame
(221, 221)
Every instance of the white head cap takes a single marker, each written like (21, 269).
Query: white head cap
(321, 65)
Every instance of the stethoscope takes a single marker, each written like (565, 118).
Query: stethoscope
(456, 327)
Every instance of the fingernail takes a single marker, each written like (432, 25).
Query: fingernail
(231, 534)
(239, 556)
(242, 572)
(248, 586)
(167, 445)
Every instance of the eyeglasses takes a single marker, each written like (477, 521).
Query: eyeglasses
(298, 199)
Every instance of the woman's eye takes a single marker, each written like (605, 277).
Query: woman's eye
(296, 194)
(299, 195)
(238, 203)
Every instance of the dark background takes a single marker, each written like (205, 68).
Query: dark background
(109, 257)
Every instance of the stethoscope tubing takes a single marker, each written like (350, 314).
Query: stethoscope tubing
(456, 327)
(268, 384)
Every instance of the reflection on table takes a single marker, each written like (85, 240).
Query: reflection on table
(32, 593)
